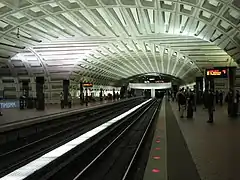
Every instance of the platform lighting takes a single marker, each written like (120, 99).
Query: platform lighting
(191, 62)
(175, 53)
(166, 50)
(147, 47)
(183, 57)
(157, 49)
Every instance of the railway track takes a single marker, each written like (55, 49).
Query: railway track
(109, 155)
(29, 149)
(117, 159)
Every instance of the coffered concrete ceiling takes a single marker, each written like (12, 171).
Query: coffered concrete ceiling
(105, 40)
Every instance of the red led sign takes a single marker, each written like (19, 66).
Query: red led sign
(217, 72)
(87, 85)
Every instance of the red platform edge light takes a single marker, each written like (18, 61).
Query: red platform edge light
(156, 157)
(157, 141)
(157, 148)
(155, 170)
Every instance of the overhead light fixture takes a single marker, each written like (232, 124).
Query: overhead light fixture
(166, 50)
(157, 49)
(191, 62)
(175, 53)
(147, 47)
(183, 57)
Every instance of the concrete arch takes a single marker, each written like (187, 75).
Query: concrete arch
(213, 23)
(123, 59)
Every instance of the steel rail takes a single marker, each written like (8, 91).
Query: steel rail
(46, 138)
(112, 142)
(139, 145)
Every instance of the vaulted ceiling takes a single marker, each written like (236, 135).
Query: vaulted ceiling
(103, 41)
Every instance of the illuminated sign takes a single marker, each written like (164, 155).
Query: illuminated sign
(87, 85)
(219, 72)
(9, 104)
(159, 81)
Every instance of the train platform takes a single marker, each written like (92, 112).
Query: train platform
(199, 150)
(15, 118)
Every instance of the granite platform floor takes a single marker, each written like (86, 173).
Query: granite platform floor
(214, 148)
(15, 115)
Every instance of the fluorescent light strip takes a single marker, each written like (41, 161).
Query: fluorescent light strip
(105, 16)
(120, 16)
(70, 18)
(28, 169)
(135, 15)
(86, 14)
(150, 15)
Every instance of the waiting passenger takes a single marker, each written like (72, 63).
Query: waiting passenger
(178, 100)
(182, 102)
(205, 100)
(230, 101)
(221, 97)
(190, 104)
(237, 101)
(1, 114)
(117, 96)
(114, 95)
(62, 100)
(210, 105)
(86, 100)
(217, 96)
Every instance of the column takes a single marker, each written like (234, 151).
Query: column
(86, 95)
(81, 93)
(153, 93)
(65, 91)
(28, 102)
(25, 87)
(231, 80)
(206, 83)
(211, 83)
(40, 100)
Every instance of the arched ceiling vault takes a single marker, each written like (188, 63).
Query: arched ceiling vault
(105, 40)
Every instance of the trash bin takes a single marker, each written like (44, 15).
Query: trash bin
(30, 103)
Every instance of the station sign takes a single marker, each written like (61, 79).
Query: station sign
(217, 72)
(87, 85)
(159, 81)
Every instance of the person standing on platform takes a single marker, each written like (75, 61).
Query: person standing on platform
(182, 102)
(205, 100)
(69, 100)
(217, 96)
(117, 96)
(62, 100)
(194, 101)
(237, 101)
(86, 100)
(210, 105)
(114, 96)
(221, 97)
(175, 95)
(178, 100)
(1, 114)
(190, 104)
(230, 101)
